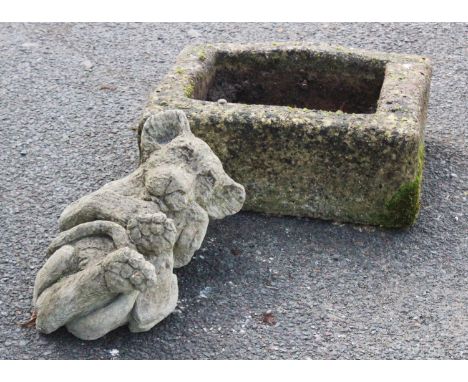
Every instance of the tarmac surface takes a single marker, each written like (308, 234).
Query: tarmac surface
(69, 97)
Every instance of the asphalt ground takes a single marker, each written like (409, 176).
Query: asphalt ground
(69, 97)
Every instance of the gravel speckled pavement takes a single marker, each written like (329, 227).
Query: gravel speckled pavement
(69, 96)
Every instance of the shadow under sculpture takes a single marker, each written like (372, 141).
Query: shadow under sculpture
(113, 262)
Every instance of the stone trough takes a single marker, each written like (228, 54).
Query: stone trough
(309, 129)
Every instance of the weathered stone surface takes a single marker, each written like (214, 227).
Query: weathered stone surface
(113, 262)
(309, 129)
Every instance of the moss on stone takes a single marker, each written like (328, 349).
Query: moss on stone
(188, 91)
(403, 207)
(202, 55)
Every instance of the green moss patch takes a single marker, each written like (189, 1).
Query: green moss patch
(188, 91)
(202, 55)
(403, 207)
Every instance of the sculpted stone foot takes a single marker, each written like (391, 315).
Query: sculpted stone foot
(153, 234)
(113, 262)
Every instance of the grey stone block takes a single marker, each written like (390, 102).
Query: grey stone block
(309, 129)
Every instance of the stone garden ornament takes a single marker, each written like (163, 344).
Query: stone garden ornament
(112, 264)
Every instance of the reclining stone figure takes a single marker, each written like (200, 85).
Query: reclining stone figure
(112, 264)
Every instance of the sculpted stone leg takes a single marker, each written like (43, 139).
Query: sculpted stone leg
(60, 264)
(192, 224)
(155, 304)
(103, 320)
(122, 271)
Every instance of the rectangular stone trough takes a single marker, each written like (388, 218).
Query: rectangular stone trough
(309, 129)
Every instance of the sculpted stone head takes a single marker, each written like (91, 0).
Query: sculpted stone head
(182, 168)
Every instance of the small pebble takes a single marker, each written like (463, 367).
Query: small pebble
(193, 33)
(87, 64)
(30, 45)
(205, 292)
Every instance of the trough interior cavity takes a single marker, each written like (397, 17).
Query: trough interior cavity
(300, 79)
